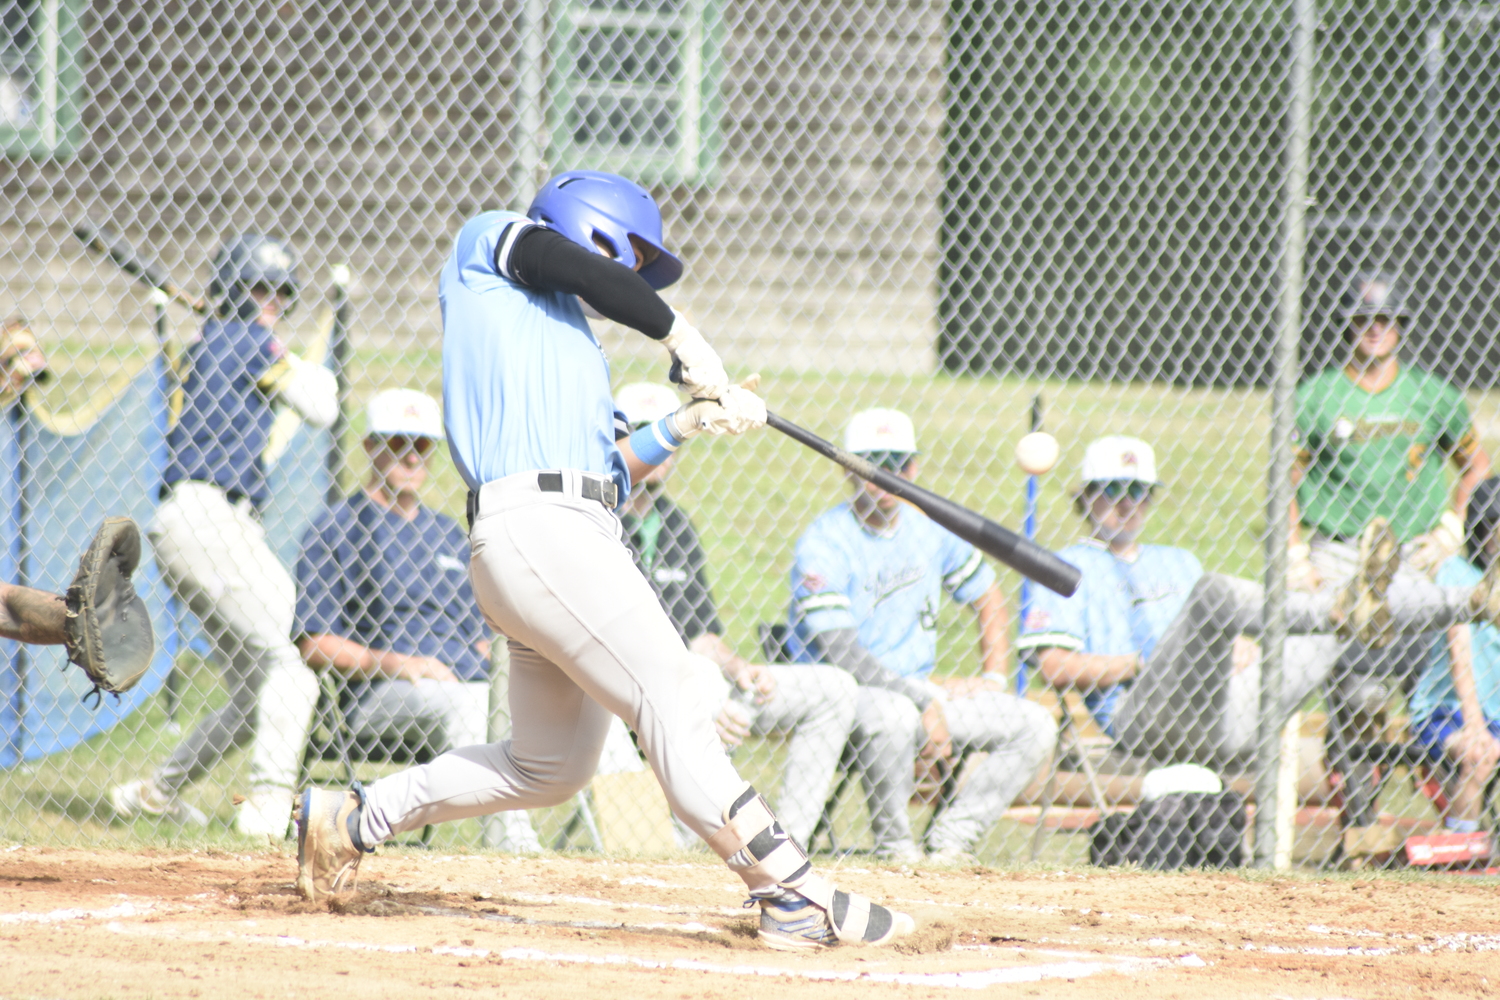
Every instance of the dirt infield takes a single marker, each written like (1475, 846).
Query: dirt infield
(94, 924)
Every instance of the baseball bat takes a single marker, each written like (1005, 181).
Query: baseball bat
(102, 239)
(1020, 554)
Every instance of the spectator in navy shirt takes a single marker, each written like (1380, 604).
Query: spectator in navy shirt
(383, 598)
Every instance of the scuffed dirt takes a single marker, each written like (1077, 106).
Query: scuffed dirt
(88, 924)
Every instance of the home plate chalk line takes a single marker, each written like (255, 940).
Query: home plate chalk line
(1058, 965)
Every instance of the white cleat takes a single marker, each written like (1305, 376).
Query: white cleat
(143, 798)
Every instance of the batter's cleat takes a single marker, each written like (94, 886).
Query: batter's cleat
(328, 845)
(265, 815)
(789, 921)
(143, 798)
(1484, 599)
(1360, 611)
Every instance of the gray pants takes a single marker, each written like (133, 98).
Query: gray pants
(815, 705)
(888, 732)
(215, 557)
(1186, 704)
(587, 638)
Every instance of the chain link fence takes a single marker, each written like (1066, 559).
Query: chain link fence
(990, 216)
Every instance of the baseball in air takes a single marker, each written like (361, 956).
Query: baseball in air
(1036, 453)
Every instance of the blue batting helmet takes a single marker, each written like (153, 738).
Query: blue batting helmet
(583, 204)
(249, 260)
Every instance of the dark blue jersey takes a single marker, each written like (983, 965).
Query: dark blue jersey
(225, 419)
(369, 575)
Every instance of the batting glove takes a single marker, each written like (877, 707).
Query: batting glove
(1428, 552)
(695, 365)
(738, 410)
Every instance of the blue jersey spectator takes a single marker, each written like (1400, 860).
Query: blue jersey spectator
(867, 583)
(1455, 706)
(1162, 650)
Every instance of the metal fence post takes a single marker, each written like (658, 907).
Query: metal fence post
(1283, 389)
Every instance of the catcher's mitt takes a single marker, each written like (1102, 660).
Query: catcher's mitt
(108, 627)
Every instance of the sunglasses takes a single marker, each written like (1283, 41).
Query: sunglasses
(890, 461)
(1115, 489)
(400, 444)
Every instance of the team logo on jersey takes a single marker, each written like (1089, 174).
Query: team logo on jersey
(887, 585)
(1037, 620)
(814, 584)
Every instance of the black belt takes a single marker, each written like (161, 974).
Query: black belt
(594, 488)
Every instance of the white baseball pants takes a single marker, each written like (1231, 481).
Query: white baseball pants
(888, 732)
(588, 637)
(214, 555)
(815, 705)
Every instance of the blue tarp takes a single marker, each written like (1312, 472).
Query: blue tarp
(56, 489)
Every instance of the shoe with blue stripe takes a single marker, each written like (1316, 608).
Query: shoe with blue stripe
(789, 921)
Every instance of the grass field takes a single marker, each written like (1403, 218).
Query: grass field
(751, 497)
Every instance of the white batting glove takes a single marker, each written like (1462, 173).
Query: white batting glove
(695, 365)
(738, 410)
(733, 722)
(1429, 551)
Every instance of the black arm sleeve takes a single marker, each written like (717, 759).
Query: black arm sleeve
(841, 646)
(550, 262)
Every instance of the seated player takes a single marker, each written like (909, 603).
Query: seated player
(866, 584)
(1158, 646)
(813, 702)
(1455, 708)
(383, 597)
(21, 360)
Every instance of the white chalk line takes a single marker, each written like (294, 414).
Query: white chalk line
(1068, 965)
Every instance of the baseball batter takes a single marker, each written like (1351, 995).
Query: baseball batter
(812, 702)
(535, 434)
(866, 585)
(207, 534)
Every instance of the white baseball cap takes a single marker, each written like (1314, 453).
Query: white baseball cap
(1177, 778)
(646, 402)
(880, 430)
(403, 411)
(1116, 457)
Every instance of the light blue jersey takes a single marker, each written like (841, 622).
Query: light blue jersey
(525, 382)
(1434, 688)
(886, 586)
(1119, 608)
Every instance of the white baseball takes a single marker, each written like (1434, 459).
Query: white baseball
(1036, 453)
